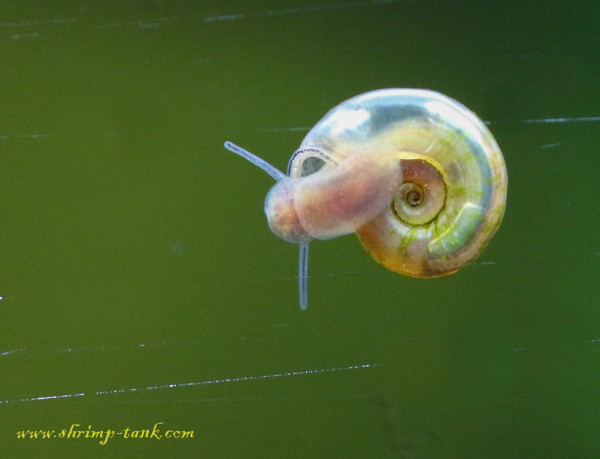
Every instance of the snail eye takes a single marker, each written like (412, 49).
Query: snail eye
(311, 165)
(307, 161)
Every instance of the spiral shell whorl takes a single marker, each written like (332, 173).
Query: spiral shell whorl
(443, 147)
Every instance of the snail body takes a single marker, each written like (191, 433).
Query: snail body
(416, 175)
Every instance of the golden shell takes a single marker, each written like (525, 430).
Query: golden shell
(452, 195)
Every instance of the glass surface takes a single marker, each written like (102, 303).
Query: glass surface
(141, 285)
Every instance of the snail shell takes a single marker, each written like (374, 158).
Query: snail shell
(415, 174)
(449, 198)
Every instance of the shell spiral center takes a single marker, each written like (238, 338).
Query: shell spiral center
(422, 194)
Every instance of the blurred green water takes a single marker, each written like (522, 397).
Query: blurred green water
(136, 254)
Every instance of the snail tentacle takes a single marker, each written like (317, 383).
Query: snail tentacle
(303, 275)
(281, 177)
(264, 165)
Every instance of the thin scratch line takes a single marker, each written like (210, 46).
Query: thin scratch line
(580, 119)
(89, 348)
(242, 378)
(303, 10)
(39, 22)
(198, 383)
(225, 17)
(550, 145)
(23, 136)
(41, 398)
(331, 6)
(13, 351)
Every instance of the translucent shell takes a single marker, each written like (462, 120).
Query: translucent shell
(446, 180)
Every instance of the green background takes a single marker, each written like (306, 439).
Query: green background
(136, 255)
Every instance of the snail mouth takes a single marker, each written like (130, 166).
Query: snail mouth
(422, 194)
(281, 213)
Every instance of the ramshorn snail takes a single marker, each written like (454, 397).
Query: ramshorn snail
(416, 175)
